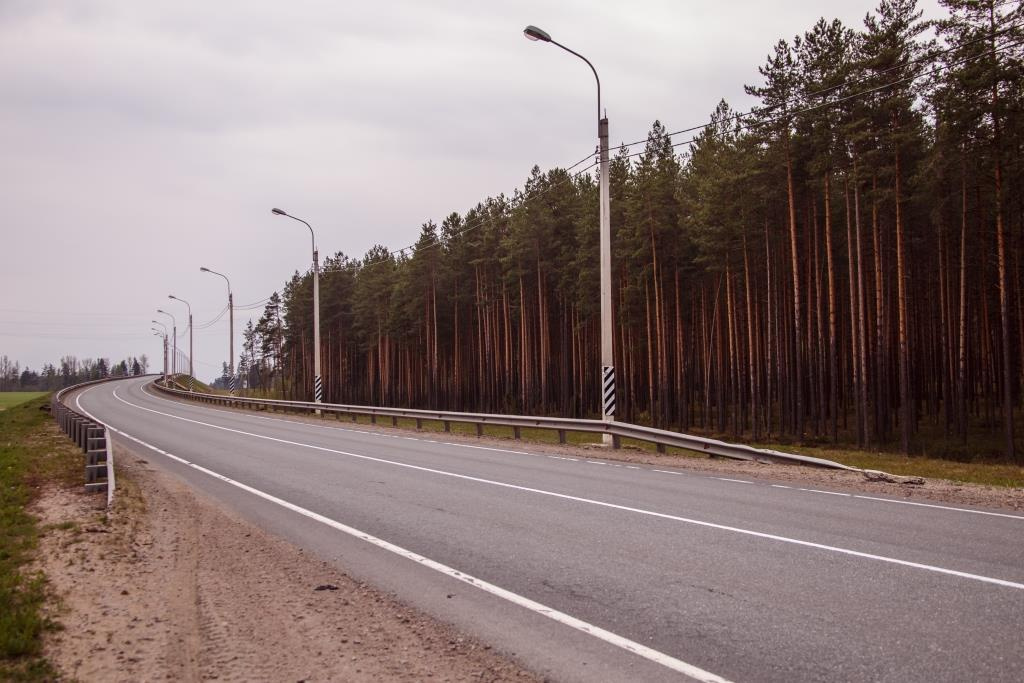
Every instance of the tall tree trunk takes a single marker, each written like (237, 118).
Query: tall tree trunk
(907, 408)
(833, 364)
(795, 261)
(1004, 295)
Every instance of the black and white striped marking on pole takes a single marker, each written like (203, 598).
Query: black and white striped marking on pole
(608, 389)
(318, 389)
(231, 385)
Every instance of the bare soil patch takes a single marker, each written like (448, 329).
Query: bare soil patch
(169, 586)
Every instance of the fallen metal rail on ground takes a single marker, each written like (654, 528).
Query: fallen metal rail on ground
(92, 436)
(661, 438)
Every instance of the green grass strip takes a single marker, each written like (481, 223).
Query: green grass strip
(24, 463)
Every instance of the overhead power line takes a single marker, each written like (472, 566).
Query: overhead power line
(932, 56)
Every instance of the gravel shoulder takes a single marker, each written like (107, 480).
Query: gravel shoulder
(168, 585)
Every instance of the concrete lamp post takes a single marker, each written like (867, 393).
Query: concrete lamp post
(607, 356)
(174, 341)
(191, 372)
(231, 328)
(318, 389)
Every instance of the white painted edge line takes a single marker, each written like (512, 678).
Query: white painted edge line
(735, 481)
(600, 503)
(111, 484)
(561, 617)
(940, 507)
(555, 457)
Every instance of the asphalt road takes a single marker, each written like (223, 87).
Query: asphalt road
(593, 570)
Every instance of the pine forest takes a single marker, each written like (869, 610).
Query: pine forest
(841, 264)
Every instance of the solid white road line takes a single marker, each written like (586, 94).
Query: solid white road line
(655, 656)
(600, 503)
(939, 507)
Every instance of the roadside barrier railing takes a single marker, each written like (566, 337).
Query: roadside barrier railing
(91, 435)
(661, 438)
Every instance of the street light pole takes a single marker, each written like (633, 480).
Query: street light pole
(174, 328)
(318, 389)
(163, 335)
(191, 373)
(231, 329)
(607, 353)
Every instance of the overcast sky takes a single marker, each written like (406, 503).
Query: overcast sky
(142, 140)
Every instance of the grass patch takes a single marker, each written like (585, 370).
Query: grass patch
(30, 454)
(9, 399)
(197, 386)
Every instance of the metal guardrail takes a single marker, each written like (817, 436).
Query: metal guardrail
(661, 438)
(92, 436)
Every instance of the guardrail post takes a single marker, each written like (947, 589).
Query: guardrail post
(616, 441)
(419, 423)
(561, 436)
(394, 420)
(661, 447)
(516, 433)
(479, 428)
(447, 425)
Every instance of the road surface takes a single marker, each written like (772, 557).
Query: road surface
(585, 569)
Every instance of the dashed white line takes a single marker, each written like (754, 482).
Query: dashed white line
(735, 481)
(599, 503)
(831, 493)
(506, 450)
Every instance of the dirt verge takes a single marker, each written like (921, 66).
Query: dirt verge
(169, 586)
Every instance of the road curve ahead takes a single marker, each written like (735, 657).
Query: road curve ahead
(588, 570)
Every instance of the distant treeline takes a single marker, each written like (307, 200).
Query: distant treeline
(70, 370)
(843, 264)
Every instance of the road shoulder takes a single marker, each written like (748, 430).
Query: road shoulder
(170, 586)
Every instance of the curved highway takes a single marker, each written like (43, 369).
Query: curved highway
(586, 570)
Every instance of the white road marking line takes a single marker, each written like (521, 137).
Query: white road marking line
(601, 503)
(243, 413)
(735, 481)
(831, 493)
(538, 608)
(596, 462)
(941, 507)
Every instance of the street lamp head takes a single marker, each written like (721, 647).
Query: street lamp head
(204, 269)
(534, 33)
(160, 310)
(171, 296)
(279, 212)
